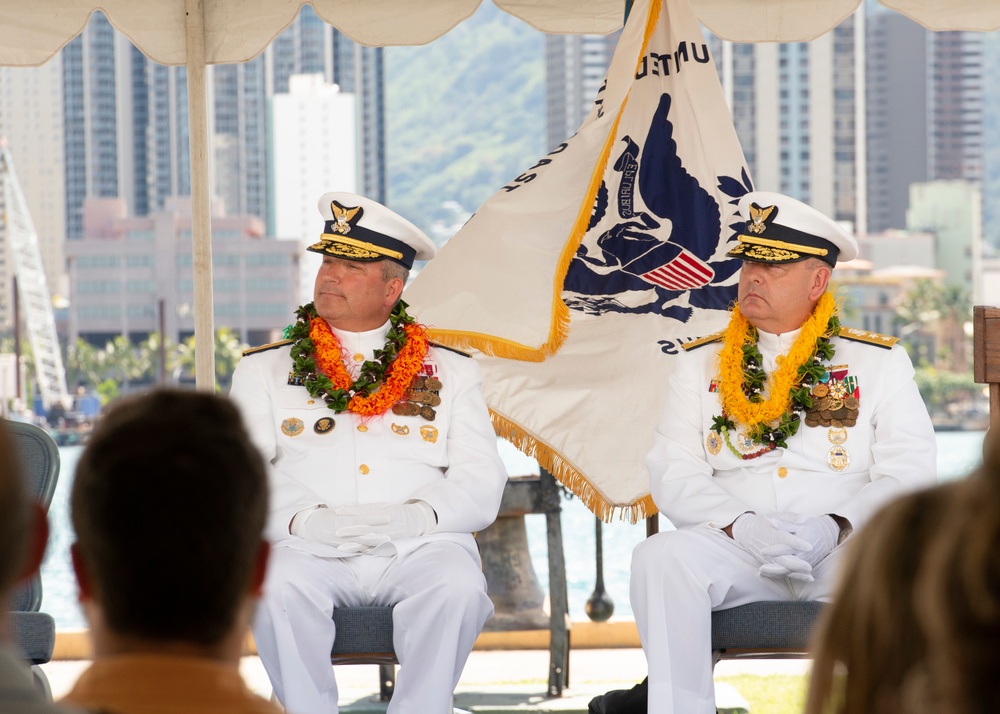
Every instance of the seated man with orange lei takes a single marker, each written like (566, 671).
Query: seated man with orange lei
(780, 435)
(383, 462)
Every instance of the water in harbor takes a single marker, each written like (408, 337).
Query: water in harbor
(958, 453)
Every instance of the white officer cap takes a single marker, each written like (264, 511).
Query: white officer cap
(358, 228)
(780, 229)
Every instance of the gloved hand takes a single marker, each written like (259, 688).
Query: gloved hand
(387, 521)
(779, 552)
(822, 532)
(321, 525)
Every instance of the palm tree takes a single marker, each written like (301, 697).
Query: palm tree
(917, 314)
(228, 351)
(85, 364)
(956, 311)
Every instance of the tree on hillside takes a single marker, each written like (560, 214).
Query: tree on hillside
(933, 320)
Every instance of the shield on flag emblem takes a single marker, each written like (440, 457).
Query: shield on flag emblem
(671, 266)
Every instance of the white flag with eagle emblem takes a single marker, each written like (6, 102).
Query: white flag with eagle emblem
(576, 283)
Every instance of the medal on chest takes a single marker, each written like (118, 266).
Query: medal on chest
(420, 399)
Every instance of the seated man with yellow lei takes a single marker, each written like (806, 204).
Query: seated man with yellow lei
(383, 462)
(780, 435)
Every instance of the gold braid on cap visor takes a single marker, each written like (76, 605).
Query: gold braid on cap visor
(353, 248)
(782, 245)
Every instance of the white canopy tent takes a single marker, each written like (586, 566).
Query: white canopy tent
(197, 33)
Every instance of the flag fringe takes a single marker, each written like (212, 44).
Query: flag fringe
(487, 344)
(564, 472)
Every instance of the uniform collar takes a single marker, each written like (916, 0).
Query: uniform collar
(769, 343)
(364, 343)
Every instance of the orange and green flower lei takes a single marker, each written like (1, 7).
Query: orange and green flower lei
(741, 378)
(317, 360)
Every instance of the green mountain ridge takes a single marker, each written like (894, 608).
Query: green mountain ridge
(465, 115)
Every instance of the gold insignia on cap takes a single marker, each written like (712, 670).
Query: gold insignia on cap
(758, 216)
(343, 217)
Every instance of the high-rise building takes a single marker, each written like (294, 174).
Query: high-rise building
(314, 149)
(90, 99)
(924, 112)
(310, 46)
(360, 71)
(156, 153)
(897, 116)
(239, 137)
(955, 106)
(126, 118)
(795, 108)
(575, 67)
(31, 123)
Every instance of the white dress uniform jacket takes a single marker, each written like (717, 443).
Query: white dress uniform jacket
(319, 458)
(891, 448)
(679, 577)
(451, 462)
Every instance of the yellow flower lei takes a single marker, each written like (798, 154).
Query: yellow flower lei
(785, 380)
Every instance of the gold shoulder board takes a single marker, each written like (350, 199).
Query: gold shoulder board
(707, 339)
(450, 349)
(872, 338)
(264, 348)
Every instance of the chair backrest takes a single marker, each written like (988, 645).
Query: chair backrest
(39, 459)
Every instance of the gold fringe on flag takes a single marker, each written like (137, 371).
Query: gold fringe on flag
(564, 472)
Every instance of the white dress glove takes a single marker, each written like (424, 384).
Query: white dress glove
(322, 525)
(779, 552)
(387, 521)
(822, 532)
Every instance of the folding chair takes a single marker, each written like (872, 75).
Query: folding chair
(34, 631)
(765, 630)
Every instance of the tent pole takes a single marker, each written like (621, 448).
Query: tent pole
(201, 228)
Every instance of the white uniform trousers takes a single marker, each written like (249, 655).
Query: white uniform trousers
(441, 605)
(678, 579)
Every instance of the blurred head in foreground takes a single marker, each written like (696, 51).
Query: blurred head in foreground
(168, 504)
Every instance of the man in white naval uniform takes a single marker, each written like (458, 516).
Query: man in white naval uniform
(762, 470)
(376, 491)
